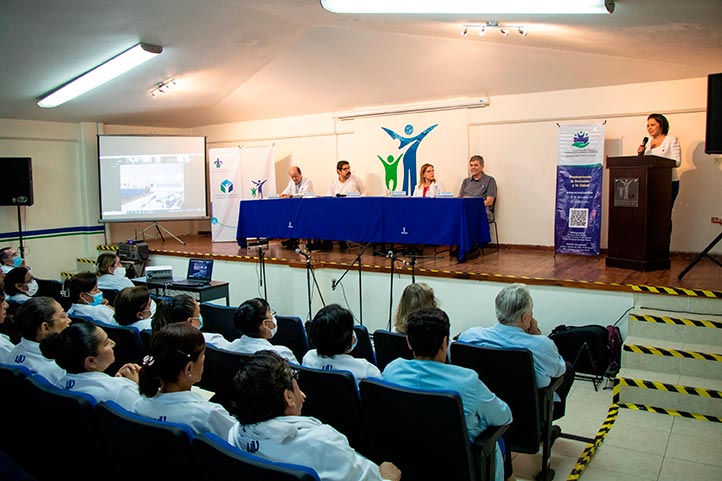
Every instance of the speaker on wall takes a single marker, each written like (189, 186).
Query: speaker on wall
(17, 188)
(713, 137)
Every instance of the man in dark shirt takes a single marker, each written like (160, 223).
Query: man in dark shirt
(479, 184)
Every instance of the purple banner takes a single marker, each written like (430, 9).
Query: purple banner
(578, 216)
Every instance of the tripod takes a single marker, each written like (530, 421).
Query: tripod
(158, 228)
(393, 258)
(336, 282)
(310, 272)
(702, 254)
(262, 277)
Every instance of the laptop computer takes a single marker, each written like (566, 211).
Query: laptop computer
(199, 273)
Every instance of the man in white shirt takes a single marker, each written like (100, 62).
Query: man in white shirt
(298, 184)
(340, 187)
(346, 181)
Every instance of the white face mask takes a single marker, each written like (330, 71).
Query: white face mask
(32, 288)
(119, 271)
(275, 329)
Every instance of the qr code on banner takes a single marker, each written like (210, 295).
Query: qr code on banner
(579, 218)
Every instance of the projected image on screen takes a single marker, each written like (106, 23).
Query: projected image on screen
(152, 178)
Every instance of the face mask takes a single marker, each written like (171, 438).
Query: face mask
(32, 288)
(119, 271)
(353, 344)
(97, 299)
(200, 321)
(275, 329)
(17, 261)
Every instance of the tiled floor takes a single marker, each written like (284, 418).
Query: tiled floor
(640, 446)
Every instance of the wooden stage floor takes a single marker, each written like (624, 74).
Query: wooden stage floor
(538, 266)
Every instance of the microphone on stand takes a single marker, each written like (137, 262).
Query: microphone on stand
(390, 255)
(303, 253)
(644, 144)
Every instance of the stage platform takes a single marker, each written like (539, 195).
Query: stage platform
(533, 266)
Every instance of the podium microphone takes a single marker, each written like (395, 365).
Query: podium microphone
(390, 255)
(303, 253)
(644, 144)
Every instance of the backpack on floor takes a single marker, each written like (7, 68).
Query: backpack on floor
(592, 349)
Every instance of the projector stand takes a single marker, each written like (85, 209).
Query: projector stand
(158, 228)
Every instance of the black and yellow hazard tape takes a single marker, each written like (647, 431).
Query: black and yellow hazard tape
(83, 260)
(677, 291)
(671, 412)
(67, 275)
(660, 351)
(106, 247)
(661, 386)
(592, 447)
(677, 321)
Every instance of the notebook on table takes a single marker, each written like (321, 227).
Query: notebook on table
(199, 273)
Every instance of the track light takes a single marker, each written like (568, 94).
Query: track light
(503, 29)
(104, 72)
(474, 7)
(163, 87)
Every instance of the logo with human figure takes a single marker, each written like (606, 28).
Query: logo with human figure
(411, 143)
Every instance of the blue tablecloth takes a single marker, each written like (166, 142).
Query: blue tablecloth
(401, 220)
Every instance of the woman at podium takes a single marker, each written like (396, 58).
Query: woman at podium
(663, 145)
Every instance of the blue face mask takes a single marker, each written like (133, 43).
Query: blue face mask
(353, 344)
(97, 299)
(17, 261)
(200, 321)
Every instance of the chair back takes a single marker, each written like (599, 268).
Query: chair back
(333, 398)
(363, 348)
(219, 319)
(292, 334)
(217, 460)
(53, 288)
(12, 380)
(110, 294)
(128, 345)
(422, 432)
(219, 369)
(146, 336)
(66, 423)
(389, 346)
(143, 449)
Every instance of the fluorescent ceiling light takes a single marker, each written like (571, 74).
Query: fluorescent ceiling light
(470, 6)
(413, 108)
(117, 65)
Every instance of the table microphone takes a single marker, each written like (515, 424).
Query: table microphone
(304, 253)
(644, 144)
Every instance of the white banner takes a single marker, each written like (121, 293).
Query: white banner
(226, 192)
(258, 177)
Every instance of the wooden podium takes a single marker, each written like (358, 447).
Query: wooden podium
(640, 207)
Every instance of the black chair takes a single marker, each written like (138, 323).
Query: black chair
(219, 319)
(219, 369)
(146, 336)
(424, 433)
(217, 460)
(53, 288)
(515, 384)
(66, 424)
(389, 346)
(363, 348)
(128, 345)
(141, 448)
(110, 294)
(333, 398)
(292, 334)
(12, 380)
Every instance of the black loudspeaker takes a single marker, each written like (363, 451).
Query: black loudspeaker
(17, 188)
(713, 138)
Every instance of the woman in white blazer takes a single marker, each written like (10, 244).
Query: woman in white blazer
(428, 186)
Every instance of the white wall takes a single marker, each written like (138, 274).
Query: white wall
(516, 134)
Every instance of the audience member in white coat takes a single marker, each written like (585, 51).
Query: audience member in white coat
(87, 300)
(257, 322)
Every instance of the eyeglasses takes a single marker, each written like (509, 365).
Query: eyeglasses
(272, 318)
(294, 372)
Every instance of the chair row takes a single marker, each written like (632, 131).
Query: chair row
(90, 440)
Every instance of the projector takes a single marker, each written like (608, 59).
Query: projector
(159, 273)
(133, 251)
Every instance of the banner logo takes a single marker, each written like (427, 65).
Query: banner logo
(581, 140)
(257, 189)
(218, 163)
(226, 186)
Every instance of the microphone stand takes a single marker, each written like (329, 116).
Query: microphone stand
(310, 272)
(262, 263)
(393, 258)
(335, 283)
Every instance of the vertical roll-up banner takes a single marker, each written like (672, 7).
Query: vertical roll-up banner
(224, 165)
(258, 177)
(578, 212)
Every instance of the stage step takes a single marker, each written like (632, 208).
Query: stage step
(673, 361)
(680, 300)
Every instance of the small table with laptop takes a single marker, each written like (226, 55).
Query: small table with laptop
(198, 283)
